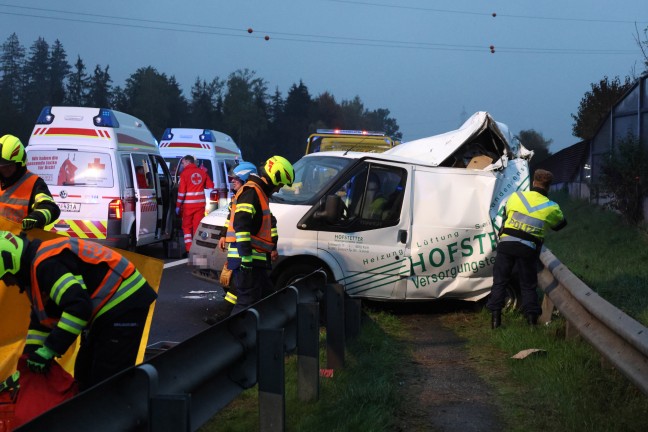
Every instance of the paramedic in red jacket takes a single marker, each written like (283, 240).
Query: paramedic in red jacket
(190, 205)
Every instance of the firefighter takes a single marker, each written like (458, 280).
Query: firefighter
(252, 232)
(78, 287)
(24, 196)
(190, 205)
(237, 178)
(521, 237)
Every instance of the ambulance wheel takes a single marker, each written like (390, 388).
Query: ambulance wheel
(132, 241)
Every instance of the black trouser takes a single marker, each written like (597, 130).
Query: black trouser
(111, 343)
(528, 278)
(250, 287)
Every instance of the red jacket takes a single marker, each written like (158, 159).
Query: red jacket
(191, 191)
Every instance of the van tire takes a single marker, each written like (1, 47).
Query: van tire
(292, 272)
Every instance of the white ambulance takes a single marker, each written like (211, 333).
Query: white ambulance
(417, 222)
(214, 151)
(106, 174)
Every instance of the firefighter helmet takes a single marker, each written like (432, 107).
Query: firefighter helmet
(279, 171)
(11, 247)
(11, 151)
(242, 171)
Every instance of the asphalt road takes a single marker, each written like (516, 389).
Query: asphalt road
(183, 301)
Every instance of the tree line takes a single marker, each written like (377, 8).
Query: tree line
(262, 123)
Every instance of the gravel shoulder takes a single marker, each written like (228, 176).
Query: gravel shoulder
(441, 390)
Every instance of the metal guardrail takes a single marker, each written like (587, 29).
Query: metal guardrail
(183, 387)
(618, 338)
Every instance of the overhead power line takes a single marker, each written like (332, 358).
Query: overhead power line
(490, 14)
(193, 28)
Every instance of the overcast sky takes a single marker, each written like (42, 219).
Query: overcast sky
(426, 61)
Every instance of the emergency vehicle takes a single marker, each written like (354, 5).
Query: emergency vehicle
(106, 174)
(417, 222)
(345, 139)
(214, 151)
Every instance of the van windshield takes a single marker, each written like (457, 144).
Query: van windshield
(71, 167)
(313, 176)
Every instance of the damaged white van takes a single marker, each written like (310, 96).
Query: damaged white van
(417, 222)
(106, 174)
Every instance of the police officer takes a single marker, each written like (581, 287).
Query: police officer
(252, 231)
(521, 237)
(24, 196)
(78, 287)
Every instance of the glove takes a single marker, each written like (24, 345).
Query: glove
(177, 211)
(28, 223)
(39, 361)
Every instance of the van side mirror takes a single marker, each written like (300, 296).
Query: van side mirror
(331, 209)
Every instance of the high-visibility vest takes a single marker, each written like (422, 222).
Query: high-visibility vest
(14, 201)
(526, 215)
(121, 280)
(262, 240)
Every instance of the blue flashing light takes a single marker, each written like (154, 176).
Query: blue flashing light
(207, 136)
(350, 132)
(106, 118)
(46, 116)
(167, 135)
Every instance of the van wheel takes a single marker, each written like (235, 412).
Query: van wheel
(294, 272)
(512, 300)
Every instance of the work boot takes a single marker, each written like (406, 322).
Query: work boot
(496, 319)
(532, 319)
(222, 311)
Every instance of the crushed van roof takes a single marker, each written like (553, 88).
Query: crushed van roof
(479, 135)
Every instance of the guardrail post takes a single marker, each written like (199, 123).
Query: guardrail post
(272, 400)
(547, 310)
(352, 308)
(171, 412)
(308, 352)
(334, 326)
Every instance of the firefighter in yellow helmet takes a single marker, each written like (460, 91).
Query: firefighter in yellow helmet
(78, 287)
(24, 196)
(252, 231)
(526, 216)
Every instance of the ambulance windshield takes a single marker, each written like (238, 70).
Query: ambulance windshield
(313, 176)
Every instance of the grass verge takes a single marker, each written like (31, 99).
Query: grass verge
(569, 388)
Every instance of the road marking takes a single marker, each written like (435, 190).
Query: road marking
(176, 263)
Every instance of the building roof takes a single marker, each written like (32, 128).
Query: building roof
(567, 163)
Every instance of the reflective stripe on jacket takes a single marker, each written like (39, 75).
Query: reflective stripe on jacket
(191, 191)
(526, 215)
(262, 241)
(14, 200)
(121, 280)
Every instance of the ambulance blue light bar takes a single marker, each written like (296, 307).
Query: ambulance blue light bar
(106, 118)
(350, 132)
(46, 116)
(167, 135)
(207, 136)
